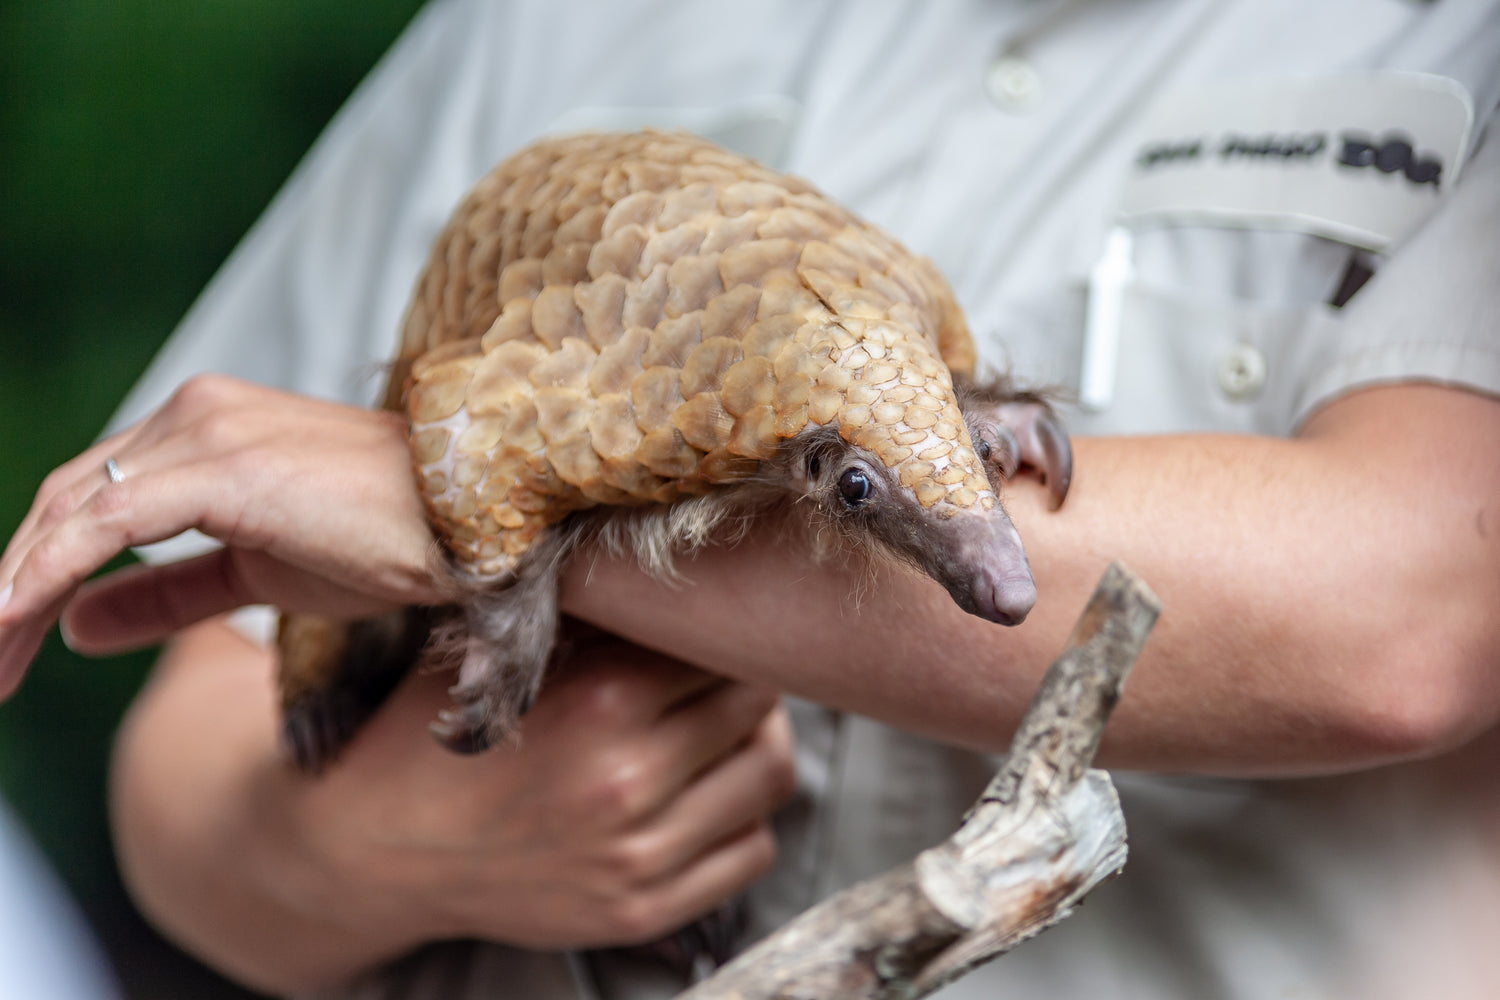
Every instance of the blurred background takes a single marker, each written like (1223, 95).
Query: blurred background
(138, 140)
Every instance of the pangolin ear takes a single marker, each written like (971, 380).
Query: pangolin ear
(805, 463)
(799, 469)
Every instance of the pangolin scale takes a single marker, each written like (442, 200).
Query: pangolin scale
(641, 321)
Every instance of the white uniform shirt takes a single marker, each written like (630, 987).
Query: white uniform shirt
(996, 137)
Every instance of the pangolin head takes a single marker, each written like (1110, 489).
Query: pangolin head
(887, 455)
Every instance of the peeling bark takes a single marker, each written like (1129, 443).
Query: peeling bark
(1045, 832)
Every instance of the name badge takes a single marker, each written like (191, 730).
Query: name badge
(1360, 158)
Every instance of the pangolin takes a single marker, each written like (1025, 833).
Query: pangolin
(638, 335)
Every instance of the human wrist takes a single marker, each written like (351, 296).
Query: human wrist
(352, 905)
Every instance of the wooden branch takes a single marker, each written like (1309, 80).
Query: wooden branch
(1043, 834)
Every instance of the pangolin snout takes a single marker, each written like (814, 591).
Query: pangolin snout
(1001, 594)
(984, 568)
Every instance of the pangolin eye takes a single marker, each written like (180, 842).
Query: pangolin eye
(983, 449)
(814, 466)
(854, 487)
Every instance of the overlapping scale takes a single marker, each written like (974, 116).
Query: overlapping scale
(630, 319)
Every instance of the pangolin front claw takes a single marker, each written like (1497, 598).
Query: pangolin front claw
(1027, 432)
(1044, 444)
(463, 729)
(483, 715)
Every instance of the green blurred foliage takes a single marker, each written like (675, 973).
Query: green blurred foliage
(139, 139)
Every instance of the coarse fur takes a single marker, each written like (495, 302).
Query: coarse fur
(506, 635)
(500, 634)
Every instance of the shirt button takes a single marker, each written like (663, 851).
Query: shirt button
(1013, 83)
(1242, 373)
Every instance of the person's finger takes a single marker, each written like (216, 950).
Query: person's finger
(141, 605)
(19, 645)
(137, 450)
(745, 788)
(114, 518)
(619, 684)
(720, 873)
(209, 419)
(51, 569)
(701, 733)
(63, 491)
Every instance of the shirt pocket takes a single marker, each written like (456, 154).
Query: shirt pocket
(1190, 363)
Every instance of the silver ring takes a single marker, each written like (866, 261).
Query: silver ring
(112, 469)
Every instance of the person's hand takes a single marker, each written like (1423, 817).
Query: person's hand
(314, 502)
(636, 799)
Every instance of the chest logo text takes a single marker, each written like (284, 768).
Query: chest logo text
(1390, 153)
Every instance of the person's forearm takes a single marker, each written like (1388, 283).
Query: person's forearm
(1324, 598)
(195, 758)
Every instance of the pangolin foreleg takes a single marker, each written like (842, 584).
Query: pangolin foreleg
(503, 642)
(1014, 427)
